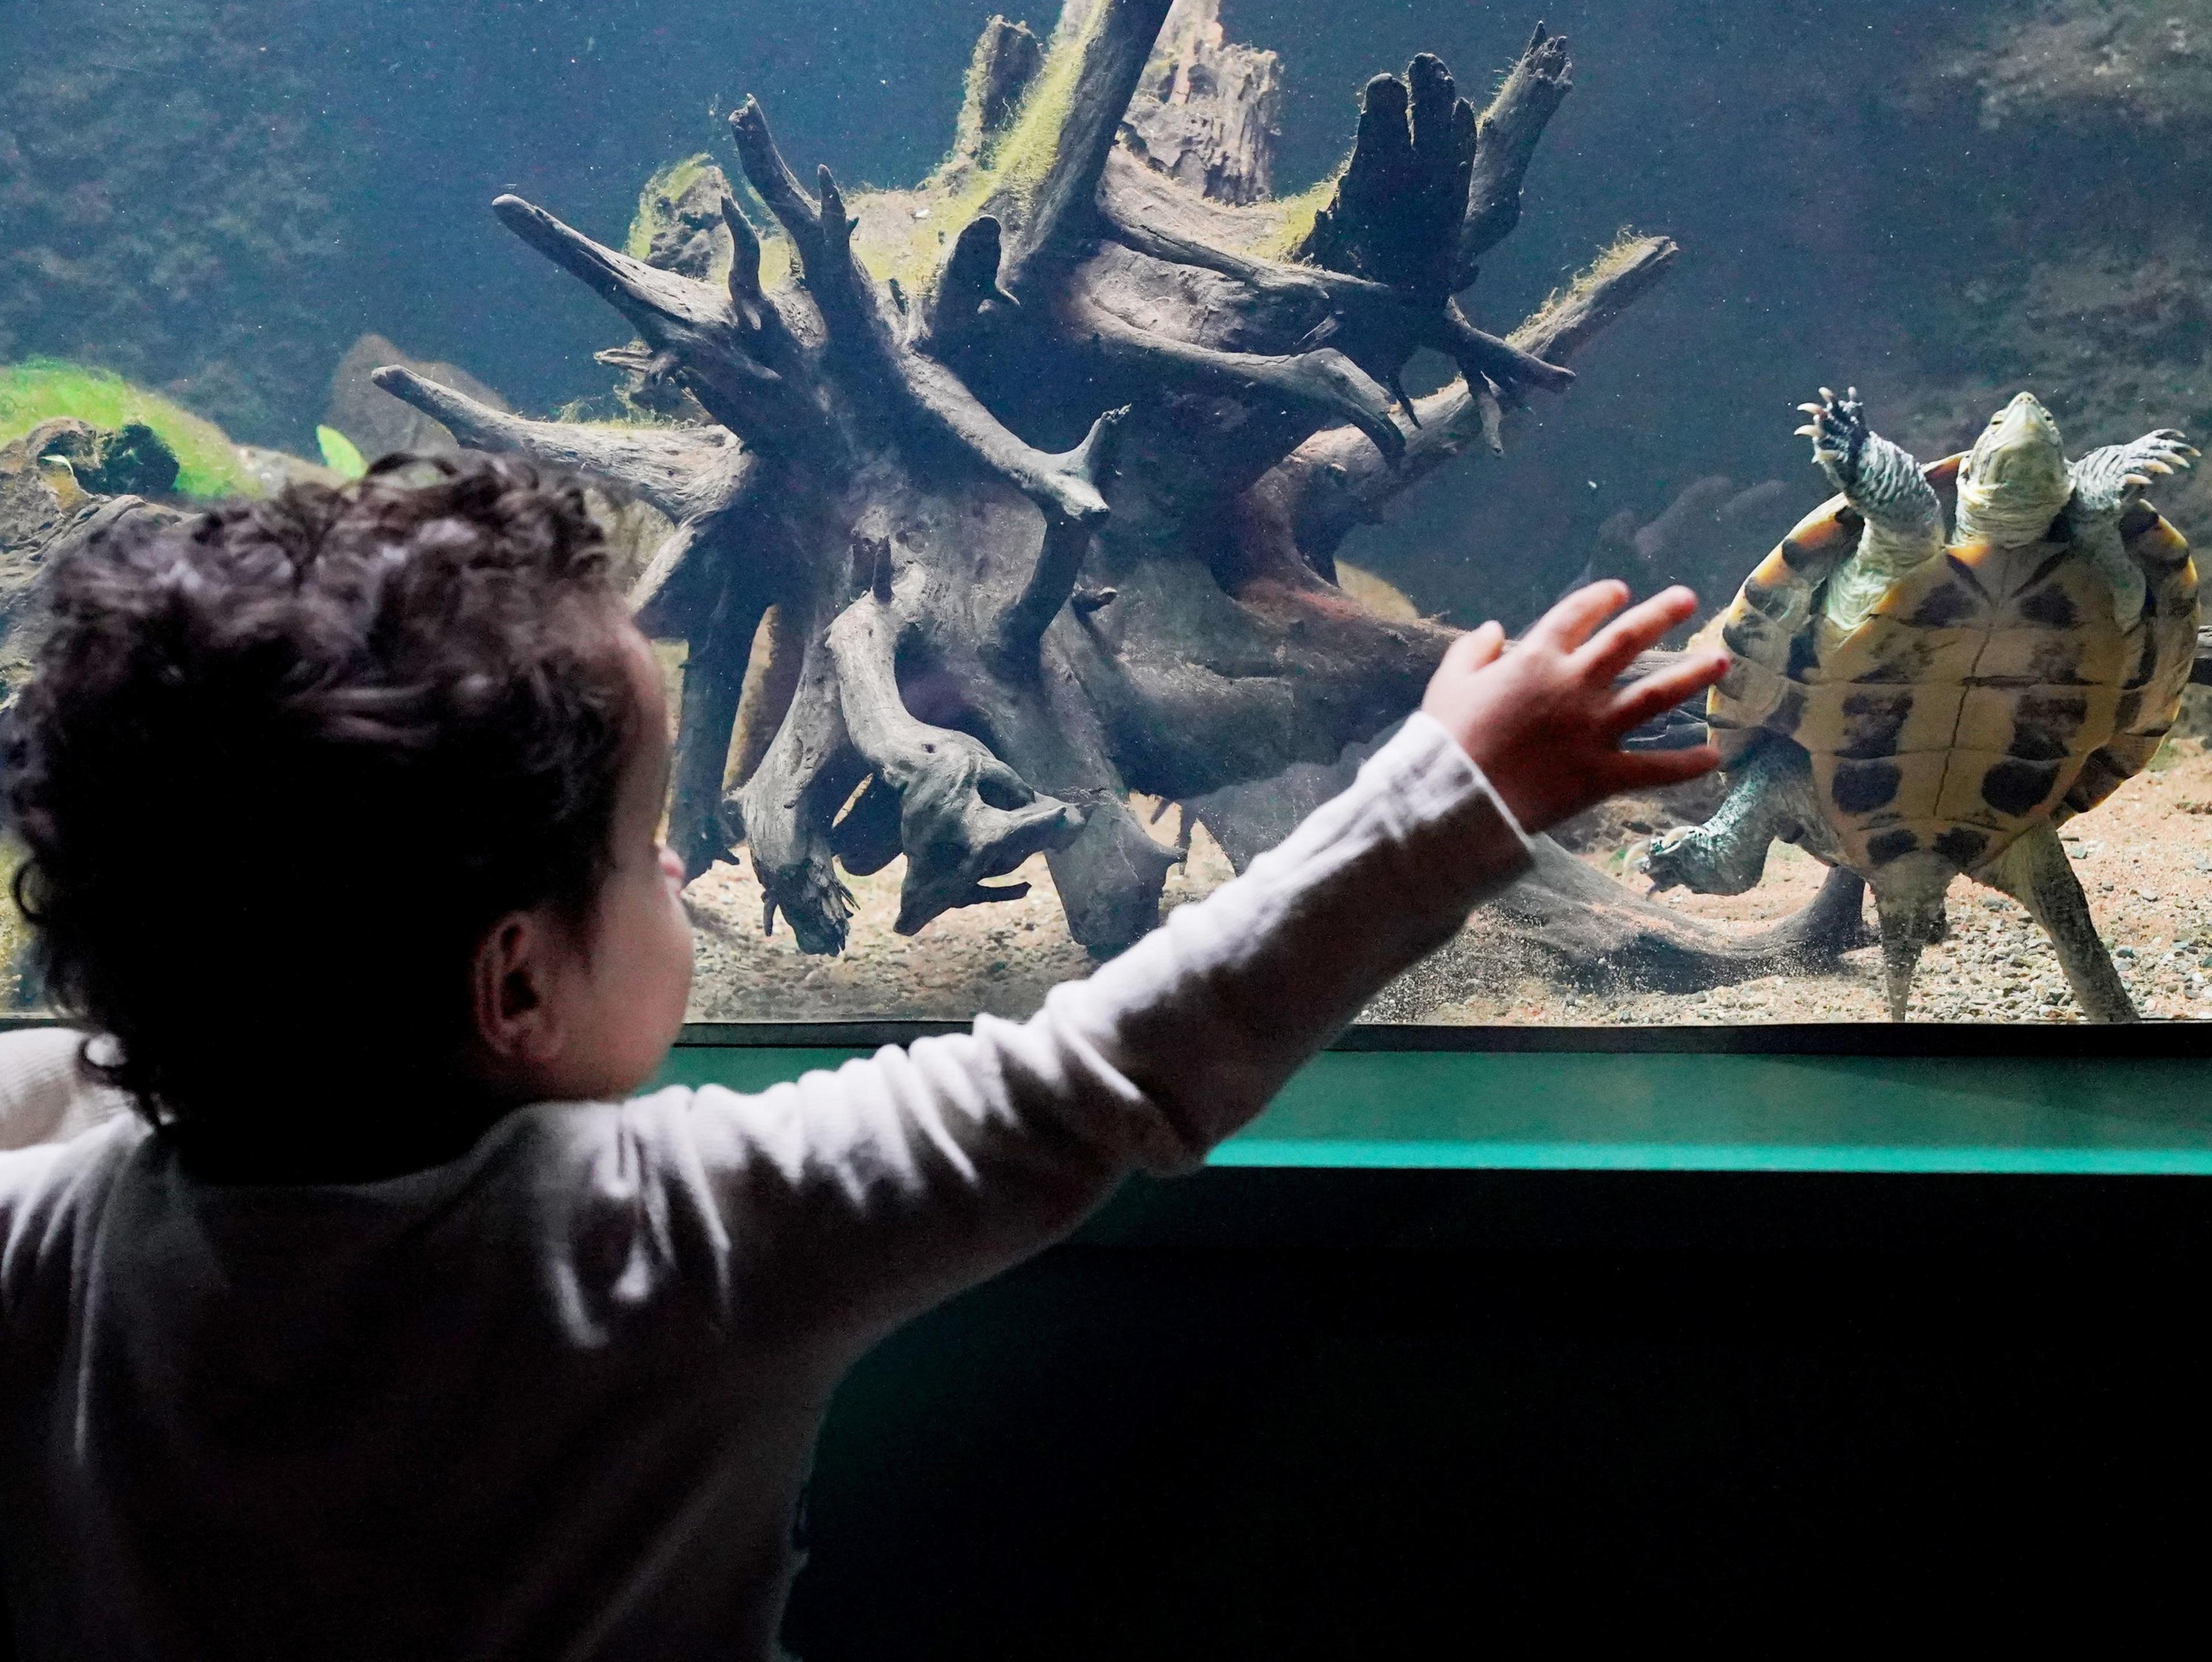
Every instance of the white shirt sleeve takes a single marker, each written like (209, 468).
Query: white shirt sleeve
(45, 1096)
(849, 1200)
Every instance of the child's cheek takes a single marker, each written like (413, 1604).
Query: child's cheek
(679, 945)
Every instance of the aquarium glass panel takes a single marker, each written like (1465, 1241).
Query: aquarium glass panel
(1053, 449)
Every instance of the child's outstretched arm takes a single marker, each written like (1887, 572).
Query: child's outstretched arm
(849, 1200)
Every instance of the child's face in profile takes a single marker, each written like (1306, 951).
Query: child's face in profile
(640, 972)
(607, 1001)
(641, 960)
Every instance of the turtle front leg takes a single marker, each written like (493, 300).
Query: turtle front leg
(2034, 871)
(1904, 520)
(1876, 477)
(1770, 798)
(2107, 482)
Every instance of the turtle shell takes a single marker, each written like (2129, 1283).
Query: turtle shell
(1986, 691)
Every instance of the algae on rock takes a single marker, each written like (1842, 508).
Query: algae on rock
(679, 226)
(208, 464)
(59, 482)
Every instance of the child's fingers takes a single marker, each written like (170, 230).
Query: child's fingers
(1475, 649)
(1635, 630)
(1648, 770)
(1661, 690)
(1567, 625)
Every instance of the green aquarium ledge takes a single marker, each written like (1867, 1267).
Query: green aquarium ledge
(2122, 1101)
(2047, 1101)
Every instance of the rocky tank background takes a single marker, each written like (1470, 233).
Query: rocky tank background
(1941, 204)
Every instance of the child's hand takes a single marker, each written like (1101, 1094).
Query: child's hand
(1543, 721)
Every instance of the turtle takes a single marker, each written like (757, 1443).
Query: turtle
(1913, 706)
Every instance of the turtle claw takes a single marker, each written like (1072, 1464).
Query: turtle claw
(1838, 432)
(2110, 480)
(1658, 862)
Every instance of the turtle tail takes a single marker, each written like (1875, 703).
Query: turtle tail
(1900, 957)
(1908, 898)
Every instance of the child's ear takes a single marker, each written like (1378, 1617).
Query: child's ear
(512, 988)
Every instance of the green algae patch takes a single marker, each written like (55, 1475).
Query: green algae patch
(657, 202)
(610, 413)
(1627, 246)
(689, 192)
(1013, 165)
(340, 454)
(1295, 217)
(903, 235)
(1624, 250)
(39, 389)
(1023, 152)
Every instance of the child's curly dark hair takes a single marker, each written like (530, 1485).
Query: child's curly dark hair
(278, 768)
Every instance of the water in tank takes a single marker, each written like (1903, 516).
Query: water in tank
(1052, 449)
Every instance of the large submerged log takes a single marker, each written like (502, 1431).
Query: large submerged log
(1027, 482)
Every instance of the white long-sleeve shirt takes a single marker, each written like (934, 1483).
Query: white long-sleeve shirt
(557, 1398)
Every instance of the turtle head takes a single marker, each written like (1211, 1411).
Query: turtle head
(2014, 482)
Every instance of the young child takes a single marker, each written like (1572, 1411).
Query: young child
(390, 1324)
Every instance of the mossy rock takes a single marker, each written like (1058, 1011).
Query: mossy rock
(55, 481)
(679, 226)
(133, 460)
(40, 492)
(41, 390)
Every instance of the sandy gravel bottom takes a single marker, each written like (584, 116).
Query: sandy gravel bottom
(2145, 858)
